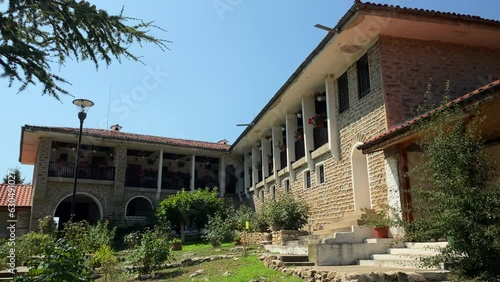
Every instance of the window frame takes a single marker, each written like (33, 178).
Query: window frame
(343, 94)
(319, 167)
(307, 179)
(363, 76)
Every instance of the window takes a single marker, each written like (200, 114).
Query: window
(320, 174)
(307, 179)
(273, 193)
(261, 195)
(363, 76)
(343, 85)
(287, 185)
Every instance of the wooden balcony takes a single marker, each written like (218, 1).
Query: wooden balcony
(85, 171)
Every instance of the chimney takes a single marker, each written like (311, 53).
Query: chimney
(115, 127)
(223, 141)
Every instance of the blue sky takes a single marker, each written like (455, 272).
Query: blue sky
(226, 60)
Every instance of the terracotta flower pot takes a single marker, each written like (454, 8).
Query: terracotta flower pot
(381, 232)
(176, 246)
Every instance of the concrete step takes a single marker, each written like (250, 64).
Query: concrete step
(394, 264)
(299, 263)
(296, 243)
(413, 251)
(288, 250)
(389, 257)
(342, 224)
(425, 245)
(293, 258)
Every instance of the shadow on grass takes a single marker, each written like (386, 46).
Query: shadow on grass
(171, 274)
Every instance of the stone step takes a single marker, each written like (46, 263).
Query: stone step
(413, 251)
(425, 245)
(293, 258)
(394, 264)
(342, 224)
(389, 257)
(289, 250)
(299, 263)
(296, 243)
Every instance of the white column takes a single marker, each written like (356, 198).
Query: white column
(255, 159)
(266, 151)
(277, 136)
(291, 126)
(222, 177)
(394, 191)
(160, 171)
(333, 128)
(247, 162)
(308, 111)
(193, 167)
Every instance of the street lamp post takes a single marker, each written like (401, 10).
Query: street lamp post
(83, 106)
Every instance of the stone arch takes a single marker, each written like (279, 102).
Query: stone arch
(360, 179)
(139, 206)
(87, 207)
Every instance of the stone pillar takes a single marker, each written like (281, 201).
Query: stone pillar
(120, 161)
(247, 163)
(255, 158)
(40, 182)
(193, 170)
(266, 152)
(333, 128)
(291, 126)
(160, 172)
(394, 189)
(308, 111)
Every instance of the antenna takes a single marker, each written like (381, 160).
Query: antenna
(109, 103)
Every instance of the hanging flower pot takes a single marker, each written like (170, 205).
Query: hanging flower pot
(318, 120)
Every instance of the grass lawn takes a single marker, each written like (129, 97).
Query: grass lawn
(242, 268)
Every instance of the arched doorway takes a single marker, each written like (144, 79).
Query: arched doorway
(139, 206)
(86, 208)
(360, 182)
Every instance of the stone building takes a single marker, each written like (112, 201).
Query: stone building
(322, 137)
(15, 209)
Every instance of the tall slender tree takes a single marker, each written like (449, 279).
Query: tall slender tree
(36, 33)
(15, 175)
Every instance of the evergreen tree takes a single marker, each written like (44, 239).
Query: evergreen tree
(16, 175)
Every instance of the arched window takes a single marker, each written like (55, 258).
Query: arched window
(139, 207)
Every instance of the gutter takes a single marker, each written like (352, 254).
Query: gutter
(299, 70)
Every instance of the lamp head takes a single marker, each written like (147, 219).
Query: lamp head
(83, 105)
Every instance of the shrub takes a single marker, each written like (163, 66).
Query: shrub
(286, 213)
(48, 226)
(60, 262)
(87, 237)
(107, 261)
(218, 230)
(240, 216)
(133, 239)
(153, 251)
(100, 234)
(28, 247)
(260, 222)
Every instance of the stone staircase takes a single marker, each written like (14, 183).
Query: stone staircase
(407, 257)
(295, 260)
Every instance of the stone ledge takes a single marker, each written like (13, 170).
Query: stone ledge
(320, 151)
(80, 180)
(299, 163)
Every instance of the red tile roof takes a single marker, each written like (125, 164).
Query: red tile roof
(407, 125)
(219, 146)
(22, 195)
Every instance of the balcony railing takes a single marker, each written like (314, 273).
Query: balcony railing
(85, 171)
(320, 136)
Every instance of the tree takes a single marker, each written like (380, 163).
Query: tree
(34, 33)
(459, 198)
(186, 208)
(14, 175)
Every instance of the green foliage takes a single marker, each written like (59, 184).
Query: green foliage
(286, 213)
(185, 208)
(458, 199)
(260, 222)
(153, 251)
(87, 237)
(28, 247)
(242, 215)
(218, 230)
(34, 33)
(377, 219)
(133, 239)
(61, 262)
(16, 175)
(48, 226)
(176, 240)
(107, 261)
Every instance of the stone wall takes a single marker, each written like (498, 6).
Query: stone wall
(255, 238)
(408, 63)
(364, 119)
(280, 237)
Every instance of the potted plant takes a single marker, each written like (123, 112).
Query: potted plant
(319, 96)
(378, 220)
(280, 145)
(299, 133)
(299, 113)
(176, 244)
(318, 120)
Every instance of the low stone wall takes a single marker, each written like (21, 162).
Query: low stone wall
(255, 238)
(280, 237)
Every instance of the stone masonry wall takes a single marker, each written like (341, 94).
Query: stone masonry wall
(364, 119)
(408, 63)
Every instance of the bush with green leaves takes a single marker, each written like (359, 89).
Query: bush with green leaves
(457, 198)
(240, 216)
(259, 222)
(89, 238)
(186, 208)
(133, 239)
(153, 252)
(218, 230)
(287, 213)
(60, 262)
(107, 262)
(48, 226)
(28, 247)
